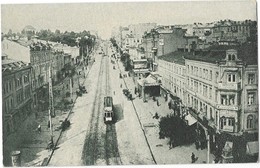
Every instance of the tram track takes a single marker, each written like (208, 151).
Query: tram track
(91, 147)
(111, 147)
(100, 145)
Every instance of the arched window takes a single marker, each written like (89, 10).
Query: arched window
(249, 121)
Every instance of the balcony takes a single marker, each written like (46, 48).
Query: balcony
(228, 107)
(229, 86)
(227, 128)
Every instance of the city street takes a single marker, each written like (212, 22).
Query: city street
(142, 83)
(146, 111)
(100, 143)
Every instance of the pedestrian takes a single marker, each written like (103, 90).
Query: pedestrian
(121, 85)
(114, 92)
(39, 129)
(169, 105)
(192, 158)
(158, 104)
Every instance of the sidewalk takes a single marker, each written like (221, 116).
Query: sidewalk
(160, 147)
(32, 143)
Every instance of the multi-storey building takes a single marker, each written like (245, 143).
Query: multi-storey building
(162, 41)
(218, 88)
(237, 30)
(250, 101)
(172, 70)
(16, 95)
(40, 55)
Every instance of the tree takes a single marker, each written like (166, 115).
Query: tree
(176, 129)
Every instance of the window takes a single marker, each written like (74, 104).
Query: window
(216, 119)
(18, 81)
(249, 121)
(251, 78)
(233, 57)
(216, 77)
(10, 86)
(231, 122)
(191, 85)
(223, 99)
(196, 86)
(229, 57)
(200, 88)
(26, 78)
(210, 75)
(210, 113)
(210, 93)
(231, 99)
(227, 99)
(12, 102)
(206, 75)
(251, 98)
(223, 122)
(205, 90)
(231, 77)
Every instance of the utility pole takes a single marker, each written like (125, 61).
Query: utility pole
(51, 108)
(71, 91)
(208, 146)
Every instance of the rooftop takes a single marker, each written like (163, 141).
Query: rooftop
(9, 64)
(246, 52)
(176, 57)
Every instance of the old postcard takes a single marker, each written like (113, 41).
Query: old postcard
(129, 83)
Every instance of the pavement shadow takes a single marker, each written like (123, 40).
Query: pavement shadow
(118, 110)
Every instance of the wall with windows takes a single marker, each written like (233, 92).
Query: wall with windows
(173, 78)
(202, 92)
(17, 93)
(230, 88)
(225, 93)
(250, 98)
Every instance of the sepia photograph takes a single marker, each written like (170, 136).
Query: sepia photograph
(113, 83)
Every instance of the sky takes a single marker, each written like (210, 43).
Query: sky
(103, 16)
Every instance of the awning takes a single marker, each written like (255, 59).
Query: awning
(174, 97)
(148, 81)
(141, 70)
(252, 148)
(191, 120)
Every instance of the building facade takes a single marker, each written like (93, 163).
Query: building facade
(17, 94)
(172, 69)
(217, 87)
(250, 99)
